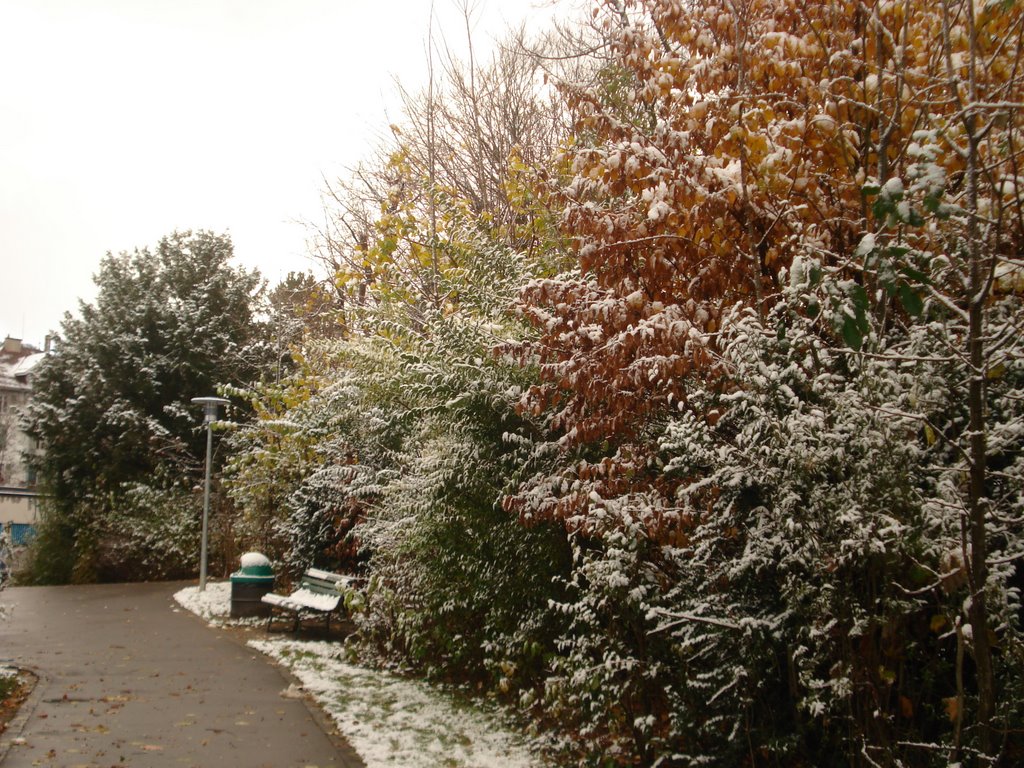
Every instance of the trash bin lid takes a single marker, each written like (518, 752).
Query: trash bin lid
(254, 565)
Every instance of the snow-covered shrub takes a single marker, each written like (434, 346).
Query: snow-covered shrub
(458, 588)
(614, 678)
(152, 534)
(304, 471)
(810, 547)
(322, 512)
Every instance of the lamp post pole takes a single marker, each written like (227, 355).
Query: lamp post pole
(210, 406)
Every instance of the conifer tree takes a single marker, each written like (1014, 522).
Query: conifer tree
(112, 410)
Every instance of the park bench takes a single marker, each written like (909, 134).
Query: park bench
(320, 594)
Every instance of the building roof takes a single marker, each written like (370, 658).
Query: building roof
(25, 366)
(16, 363)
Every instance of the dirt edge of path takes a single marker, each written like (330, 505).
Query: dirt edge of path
(17, 708)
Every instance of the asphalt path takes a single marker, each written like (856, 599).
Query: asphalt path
(128, 678)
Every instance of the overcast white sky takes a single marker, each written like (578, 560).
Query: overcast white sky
(123, 120)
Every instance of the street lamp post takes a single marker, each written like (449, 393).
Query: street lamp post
(210, 406)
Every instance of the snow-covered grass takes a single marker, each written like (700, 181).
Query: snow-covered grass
(395, 722)
(388, 720)
(212, 604)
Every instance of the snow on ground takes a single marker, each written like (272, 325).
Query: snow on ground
(388, 720)
(211, 604)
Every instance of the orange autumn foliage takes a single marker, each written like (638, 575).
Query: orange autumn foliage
(729, 137)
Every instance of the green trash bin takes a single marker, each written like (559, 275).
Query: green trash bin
(249, 584)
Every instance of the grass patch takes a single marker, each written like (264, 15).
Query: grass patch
(8, 686)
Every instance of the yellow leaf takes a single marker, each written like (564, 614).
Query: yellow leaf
(929, 434)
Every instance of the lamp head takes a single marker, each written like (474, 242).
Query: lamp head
(210, 406)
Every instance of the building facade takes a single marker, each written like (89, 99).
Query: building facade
(18, 496)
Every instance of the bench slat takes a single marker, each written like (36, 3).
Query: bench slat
(326, 587)
(304, 599)
(334, 578)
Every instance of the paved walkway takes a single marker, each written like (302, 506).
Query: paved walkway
(128, 680)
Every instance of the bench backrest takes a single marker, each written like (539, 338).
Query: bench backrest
(323, 582)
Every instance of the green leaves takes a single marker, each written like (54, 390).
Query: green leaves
(898, 264)
(854, 326)
(910, 299)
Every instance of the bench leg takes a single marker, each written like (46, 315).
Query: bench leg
(295, 621)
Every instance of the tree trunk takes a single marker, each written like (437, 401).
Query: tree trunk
(979, 283)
